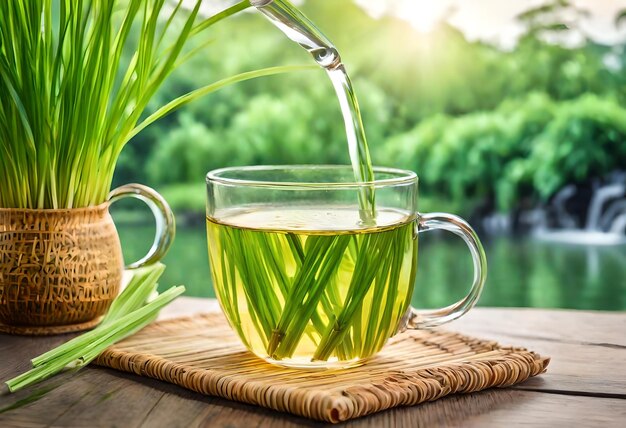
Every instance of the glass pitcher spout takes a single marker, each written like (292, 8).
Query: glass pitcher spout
(301, 30)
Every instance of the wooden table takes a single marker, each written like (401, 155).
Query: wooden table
(585, 383)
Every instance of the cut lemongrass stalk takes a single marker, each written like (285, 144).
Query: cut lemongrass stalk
(127, 322)
(88, 346)
(85, 340)
(91, 354)
(71, 360)
(134, 295)
(142, 284)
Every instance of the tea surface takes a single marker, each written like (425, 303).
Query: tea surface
(313, 286)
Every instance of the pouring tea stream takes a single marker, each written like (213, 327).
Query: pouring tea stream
(301, 30)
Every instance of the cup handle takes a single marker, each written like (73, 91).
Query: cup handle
(165, 224)
(458, 226)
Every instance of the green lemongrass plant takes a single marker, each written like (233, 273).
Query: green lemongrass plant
(136, 307)
(70, 102)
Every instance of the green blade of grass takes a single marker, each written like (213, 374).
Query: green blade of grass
(313, 282)
(71, 100)
(187, 98)
(83, 349)
(137, 291)
(365, 270)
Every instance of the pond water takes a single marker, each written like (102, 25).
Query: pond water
(522, 272)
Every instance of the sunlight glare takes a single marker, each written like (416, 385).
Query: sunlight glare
(423, 15)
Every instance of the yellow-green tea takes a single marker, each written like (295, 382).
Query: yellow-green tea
(311, 286)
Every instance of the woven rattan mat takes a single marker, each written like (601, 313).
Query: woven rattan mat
(202, 354)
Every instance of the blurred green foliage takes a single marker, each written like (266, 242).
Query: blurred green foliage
(522, 149)
(479, 124)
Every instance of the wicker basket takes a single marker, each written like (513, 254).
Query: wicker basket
(59, 269)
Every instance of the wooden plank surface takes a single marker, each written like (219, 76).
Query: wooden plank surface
(585, 383)
(588, 349)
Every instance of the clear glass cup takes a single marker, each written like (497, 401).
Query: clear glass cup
(303, 279)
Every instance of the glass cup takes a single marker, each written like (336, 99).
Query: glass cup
(304, 278)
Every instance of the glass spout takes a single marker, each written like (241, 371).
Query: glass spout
(300, 29)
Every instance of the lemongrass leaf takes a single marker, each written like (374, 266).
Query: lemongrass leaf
(187, 98)
(84, 348)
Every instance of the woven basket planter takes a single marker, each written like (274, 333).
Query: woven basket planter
(59, 269)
